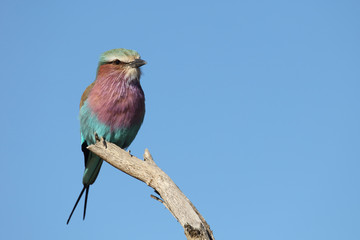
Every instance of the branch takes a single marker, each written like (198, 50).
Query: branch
(195, 226)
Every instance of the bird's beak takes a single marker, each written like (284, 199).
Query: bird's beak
(137, 63)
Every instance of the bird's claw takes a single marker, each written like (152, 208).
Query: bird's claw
(129, 151)
(98, 139)
(104, 143)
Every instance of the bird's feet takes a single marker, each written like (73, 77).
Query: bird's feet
(129, 151)
(104, 143)
(97, 137)
(100, 139)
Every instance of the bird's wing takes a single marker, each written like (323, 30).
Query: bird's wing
(85, 94)
(83, 142)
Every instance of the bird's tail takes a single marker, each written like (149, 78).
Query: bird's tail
(77, 201)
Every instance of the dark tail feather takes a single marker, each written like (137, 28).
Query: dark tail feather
(86, 197)
(77, 201)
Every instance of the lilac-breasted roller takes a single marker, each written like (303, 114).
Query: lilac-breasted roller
(113, 106)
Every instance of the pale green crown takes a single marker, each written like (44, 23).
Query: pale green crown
(122, 54)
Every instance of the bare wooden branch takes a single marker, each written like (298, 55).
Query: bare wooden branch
(195, 226)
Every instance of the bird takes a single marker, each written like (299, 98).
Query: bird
(113, 107)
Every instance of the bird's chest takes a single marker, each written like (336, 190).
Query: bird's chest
(119, 109)
(123, 113)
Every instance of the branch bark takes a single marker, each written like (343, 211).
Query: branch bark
(195, 226)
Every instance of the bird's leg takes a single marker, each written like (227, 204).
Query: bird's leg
(129, 151)
(100, 139)
(97, 137)
(104, 142)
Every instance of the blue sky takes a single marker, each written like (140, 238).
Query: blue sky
(252, 109)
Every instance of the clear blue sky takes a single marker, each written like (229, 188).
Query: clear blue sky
(252, 109)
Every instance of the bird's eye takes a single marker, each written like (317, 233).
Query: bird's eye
(116, 62)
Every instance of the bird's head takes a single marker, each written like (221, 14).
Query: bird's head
(122, 62)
